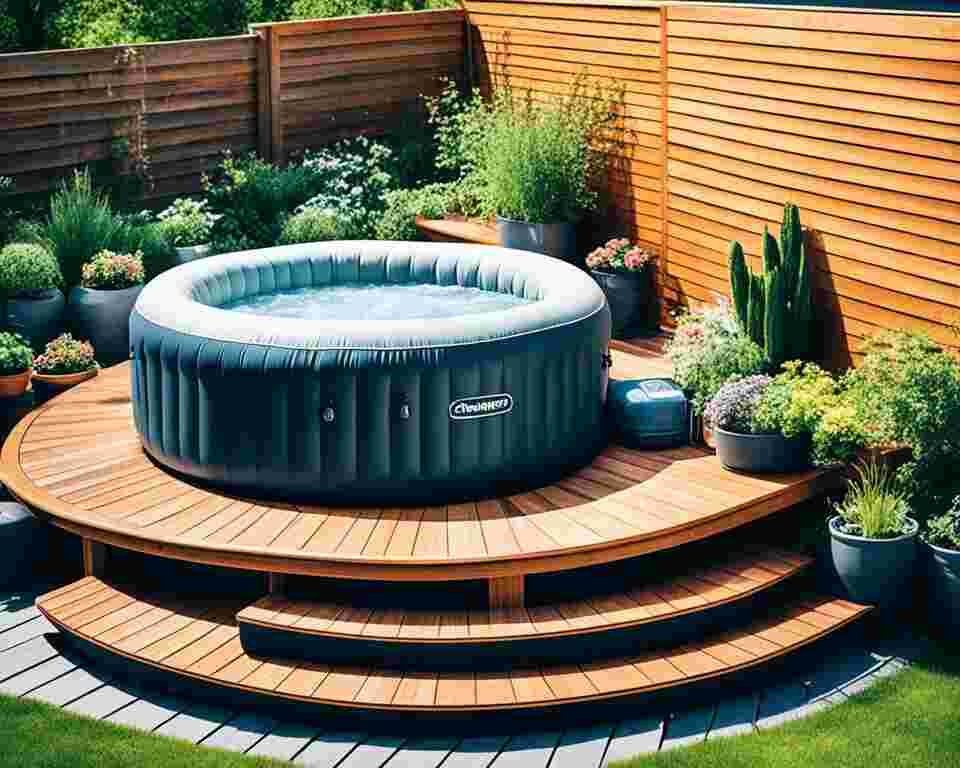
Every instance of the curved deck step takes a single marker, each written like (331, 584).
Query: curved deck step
(196, 647)
(665, 610)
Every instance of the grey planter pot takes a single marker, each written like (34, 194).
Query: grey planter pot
(37, 317)
(874, 571)
(943, 589)
(762, 453)
(632, 301)
(192, 252)
(558, 239)
(103, 319)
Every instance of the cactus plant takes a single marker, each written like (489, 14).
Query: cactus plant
(775, 307)
(740, 283)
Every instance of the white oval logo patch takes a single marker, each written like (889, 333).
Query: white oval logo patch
(481, 407)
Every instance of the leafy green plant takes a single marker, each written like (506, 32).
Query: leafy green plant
(96, 23)
(775, 307)
(796, 400)
(253, 199)
(403, 206)
(874, 507)
(65, 354)
(186, 222)
(322, 9)
(16, 356)
(80, 224)
(839, 435)
(709, 348)
(109, 271)
(541, 158)
(137, 232)
(27, 268)
(944, 530)
(311, 225)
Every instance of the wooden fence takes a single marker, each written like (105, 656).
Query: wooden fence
(855, 116)
(283, 88)
(729, 111)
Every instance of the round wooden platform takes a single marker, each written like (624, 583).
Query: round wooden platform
(78, 460)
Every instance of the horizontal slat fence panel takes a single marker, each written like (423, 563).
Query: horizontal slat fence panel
(853, 115)
(331, 78)
(186, 101)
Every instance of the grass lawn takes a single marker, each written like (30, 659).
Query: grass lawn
(908, 720)
(911, 719)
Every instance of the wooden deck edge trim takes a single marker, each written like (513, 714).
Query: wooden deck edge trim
(440, 641)
(339, 704)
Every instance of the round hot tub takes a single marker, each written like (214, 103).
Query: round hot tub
(371, 372)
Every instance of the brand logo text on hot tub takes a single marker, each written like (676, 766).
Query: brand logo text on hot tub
(481, 407)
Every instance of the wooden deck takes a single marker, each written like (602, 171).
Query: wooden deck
(199, 641)
(78, 460)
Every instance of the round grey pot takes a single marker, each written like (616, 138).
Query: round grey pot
(762, 453)
(191, 252)
(103, 319)
(874, 571)
(558, 239)
(943, 589)
(37, 316)
(631, 298)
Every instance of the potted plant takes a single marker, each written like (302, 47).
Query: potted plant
(30, 283)
(100, 306)
(873, 539)
(624, 272)
(16, 365)
(942, 544)
(65, 362)
(538, 161)
(187, 225)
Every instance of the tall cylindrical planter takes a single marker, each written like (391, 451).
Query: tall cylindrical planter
(558, 239)
(632, 301)
(103, 319)
(37, 316)
(874, 571)
(762, 453)
(943, 589)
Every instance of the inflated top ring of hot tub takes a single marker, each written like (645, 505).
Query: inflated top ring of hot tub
(371, 411)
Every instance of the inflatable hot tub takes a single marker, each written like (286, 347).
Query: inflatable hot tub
(367, 404)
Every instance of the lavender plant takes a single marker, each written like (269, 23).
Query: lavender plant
(734, 406)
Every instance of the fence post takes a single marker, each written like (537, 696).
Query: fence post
(665, 138)
(277, 149)
(264, 121)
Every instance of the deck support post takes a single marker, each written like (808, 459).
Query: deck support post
(506, 592)
(276, 583)
(94, 557)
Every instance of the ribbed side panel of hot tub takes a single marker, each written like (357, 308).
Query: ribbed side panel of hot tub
(252, 417)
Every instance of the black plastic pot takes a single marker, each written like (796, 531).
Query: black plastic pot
(874, 571)
(558, 239)
(37, 316)
(632, 301)
(103, 319)
(762, 453)
(943, 589)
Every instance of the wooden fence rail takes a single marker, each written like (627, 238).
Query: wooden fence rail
(730, 110)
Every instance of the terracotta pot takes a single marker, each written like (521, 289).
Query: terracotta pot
(48, 385)
(15, 384)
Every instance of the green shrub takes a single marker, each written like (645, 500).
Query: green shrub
(707, 350)
(96, 23)
(874, 507)
(907, 392)
(109, 271)
(137, 232)
(186, 222)
(26, 268)
(839, 436)
(324, 9)
(403, 206)
(65, 354)
(944, 530)
(15, 354)
(253, 200)
(9, 30)
(312, 225)
(796, 400)
(80, 224)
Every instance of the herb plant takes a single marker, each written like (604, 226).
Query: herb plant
(734, 406)
(187, 222)
(64, 355)
(27, 268)
(15, 354)
(874, 507)
(796, 400)
(944, 530)
(311, 225)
